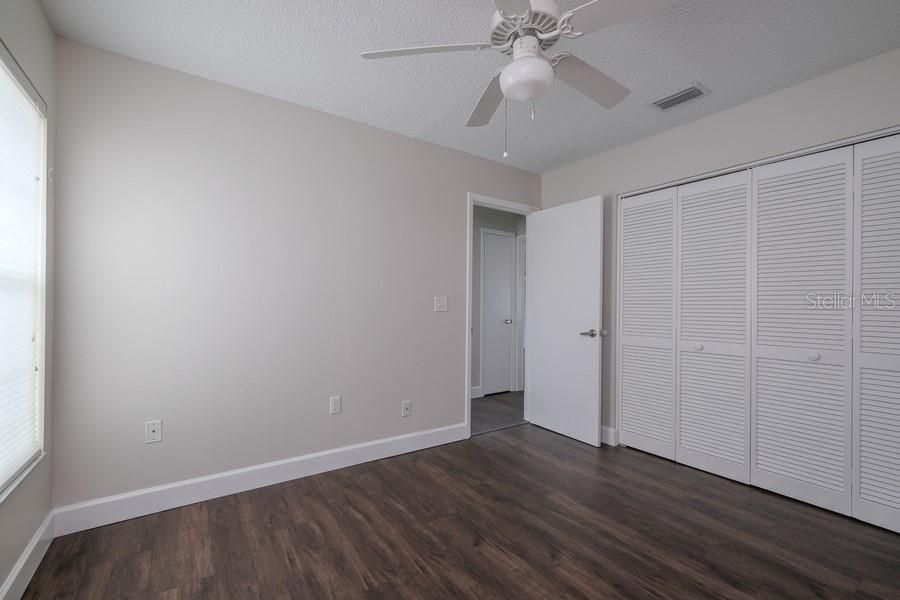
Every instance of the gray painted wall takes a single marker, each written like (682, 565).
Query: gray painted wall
(231, 261)
(26, 32)
(857, 99)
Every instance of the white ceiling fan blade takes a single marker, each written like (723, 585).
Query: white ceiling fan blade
(598, 14)
(487, 105)
(513, 7)
(601, 88)
(437, 48)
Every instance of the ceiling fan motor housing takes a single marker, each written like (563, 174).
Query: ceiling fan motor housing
(544, 18)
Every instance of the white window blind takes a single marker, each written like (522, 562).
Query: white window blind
(21, 273)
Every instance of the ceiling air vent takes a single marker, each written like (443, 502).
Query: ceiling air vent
(685, 95)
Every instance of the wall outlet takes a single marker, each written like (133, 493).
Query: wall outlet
(440, 304)
(406, 408)
(334, 405)
(152, 432)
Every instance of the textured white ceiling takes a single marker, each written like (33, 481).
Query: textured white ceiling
(307, 52)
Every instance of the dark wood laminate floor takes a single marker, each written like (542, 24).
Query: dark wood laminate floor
(519, 513)
(497, 411)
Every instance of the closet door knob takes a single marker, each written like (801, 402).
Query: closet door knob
(698, 347)
(814, 356)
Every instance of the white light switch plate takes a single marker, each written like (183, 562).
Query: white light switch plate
(440, 304)
(334, 405)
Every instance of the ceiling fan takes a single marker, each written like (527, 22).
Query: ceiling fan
(526, 29)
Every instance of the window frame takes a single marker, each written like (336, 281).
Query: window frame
(12, 66)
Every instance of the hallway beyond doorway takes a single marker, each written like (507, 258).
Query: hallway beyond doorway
(497, 411)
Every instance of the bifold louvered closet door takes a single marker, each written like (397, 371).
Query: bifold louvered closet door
(646, 322)
(876, 364)
(800, 383)
(759, 327)
(713, 352)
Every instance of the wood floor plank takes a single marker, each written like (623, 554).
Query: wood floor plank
(516, 513)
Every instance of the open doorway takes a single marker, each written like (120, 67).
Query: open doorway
(498, 319)
(560, 316)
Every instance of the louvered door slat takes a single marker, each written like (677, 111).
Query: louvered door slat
(646, 375)
(712, 418)
(800, 383)
(876, 472)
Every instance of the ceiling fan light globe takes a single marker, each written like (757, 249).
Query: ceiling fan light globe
(526, 79)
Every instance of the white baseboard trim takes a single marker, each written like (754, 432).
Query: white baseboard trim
(112, 509)
(609, 436)
(476, 392)
(23, 570)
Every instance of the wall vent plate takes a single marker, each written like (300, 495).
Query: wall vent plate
(680, 97)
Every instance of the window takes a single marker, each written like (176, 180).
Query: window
(22, 165)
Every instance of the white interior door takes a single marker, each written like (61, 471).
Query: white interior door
(563, 306)
(498, 280)
(646, 367)
(800, 380)
(713, 349)
(876, 363)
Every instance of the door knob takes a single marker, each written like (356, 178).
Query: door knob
(589, 333)
(508, 321)
(814, 356)
(698, 347)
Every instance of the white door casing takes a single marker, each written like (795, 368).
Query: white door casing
(564, 295)
(713, 326)
(498, 280)
(800, 377)
(520, 313)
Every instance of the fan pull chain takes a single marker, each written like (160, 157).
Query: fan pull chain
(505, 128)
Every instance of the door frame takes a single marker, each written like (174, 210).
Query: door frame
(513, 307)
(519, 334)
(473, 200)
